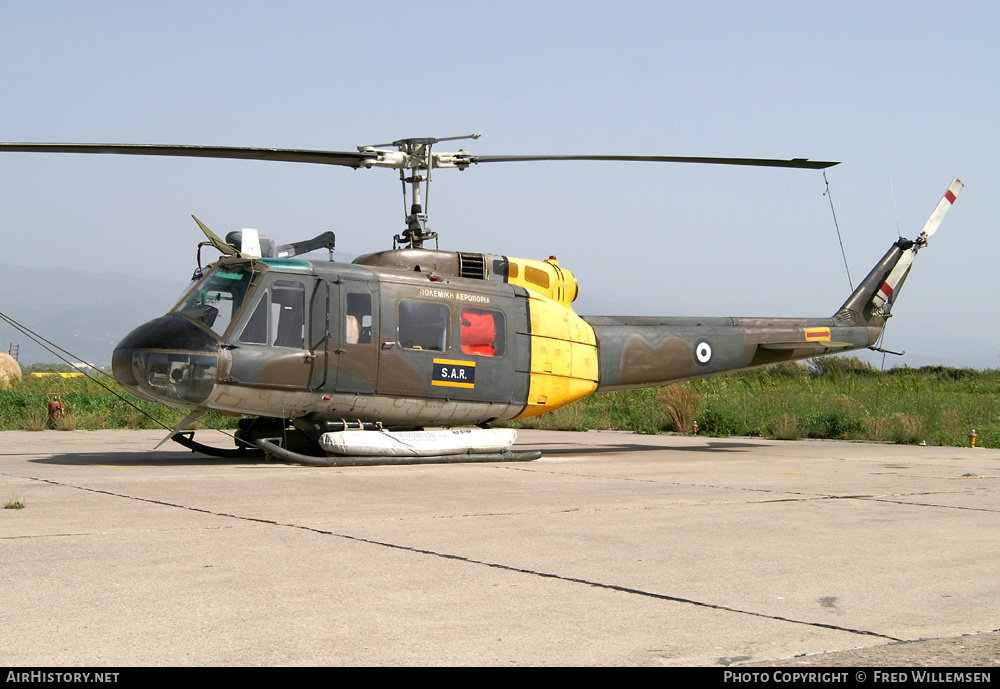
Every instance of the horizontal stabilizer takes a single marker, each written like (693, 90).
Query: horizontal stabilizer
(813, 337)
(825, 344)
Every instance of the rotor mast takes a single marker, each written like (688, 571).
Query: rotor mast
(411, 157)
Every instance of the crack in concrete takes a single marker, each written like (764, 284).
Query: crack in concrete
(793, 496)
(494, 565)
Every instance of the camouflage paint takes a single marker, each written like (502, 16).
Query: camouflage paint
(549, 355)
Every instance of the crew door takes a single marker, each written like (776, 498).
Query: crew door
(269, 347)
(324, 375)
(355, 335)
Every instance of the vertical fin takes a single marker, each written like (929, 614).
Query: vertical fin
(887, 290)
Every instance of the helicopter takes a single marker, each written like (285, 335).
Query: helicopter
(410, 354)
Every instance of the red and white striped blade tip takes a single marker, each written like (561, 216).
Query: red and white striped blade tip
(942, 208)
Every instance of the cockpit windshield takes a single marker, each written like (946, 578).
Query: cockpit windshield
(217, 298)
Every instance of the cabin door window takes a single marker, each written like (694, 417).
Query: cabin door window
(424, 325)
(482, 332)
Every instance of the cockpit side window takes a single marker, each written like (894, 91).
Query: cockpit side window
(255, 331)
(288, 309)
(279, 317)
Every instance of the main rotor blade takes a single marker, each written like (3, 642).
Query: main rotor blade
(290, 155)
(760, 162)
(370, 157)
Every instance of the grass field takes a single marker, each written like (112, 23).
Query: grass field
(836, 397)
(88, 406)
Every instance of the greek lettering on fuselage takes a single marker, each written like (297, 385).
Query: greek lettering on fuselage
(457, 296)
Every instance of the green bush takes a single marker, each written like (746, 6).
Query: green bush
(939, 405)
(848, 400)
(831, 424)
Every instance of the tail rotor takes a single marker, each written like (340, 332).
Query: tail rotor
(886, 292)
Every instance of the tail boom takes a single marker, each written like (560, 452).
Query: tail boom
(641, 352)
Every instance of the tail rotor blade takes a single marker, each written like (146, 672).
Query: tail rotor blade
(941, 210)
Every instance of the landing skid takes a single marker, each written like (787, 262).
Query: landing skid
(186, 439)
(272, 448)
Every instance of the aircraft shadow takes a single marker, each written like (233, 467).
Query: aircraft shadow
(189, 458)
(560, 450)
(149, 459)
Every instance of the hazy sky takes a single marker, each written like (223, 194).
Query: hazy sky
(905, 94)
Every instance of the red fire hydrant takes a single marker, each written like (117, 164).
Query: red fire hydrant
(56, 409)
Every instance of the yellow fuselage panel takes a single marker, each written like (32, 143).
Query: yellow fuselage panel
(543, 277)
(564, 365)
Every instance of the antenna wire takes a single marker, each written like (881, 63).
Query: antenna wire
(835, 224)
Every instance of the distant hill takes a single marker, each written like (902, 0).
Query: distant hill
(85, 313)
(89, 313)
